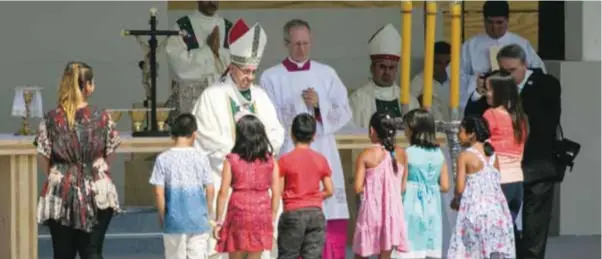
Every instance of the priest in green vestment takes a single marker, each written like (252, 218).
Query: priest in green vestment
(381, 93)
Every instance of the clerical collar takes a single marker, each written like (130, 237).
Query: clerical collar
(293, 66)
(528, 74)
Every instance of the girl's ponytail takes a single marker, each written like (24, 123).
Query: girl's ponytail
(70, 92)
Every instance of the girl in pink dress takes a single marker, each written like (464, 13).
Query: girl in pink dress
(251, 172)
(380, 180)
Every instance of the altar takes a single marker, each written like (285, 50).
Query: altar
(19, 189)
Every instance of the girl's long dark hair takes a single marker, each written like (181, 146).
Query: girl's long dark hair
(480, 128)
(421, 124)
(505, 94)
(384, 126)
(252, 142)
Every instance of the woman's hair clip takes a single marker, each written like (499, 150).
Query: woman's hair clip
(388, 116)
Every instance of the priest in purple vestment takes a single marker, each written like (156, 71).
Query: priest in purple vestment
(301, 85)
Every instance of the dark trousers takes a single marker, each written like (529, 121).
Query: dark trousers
(68, 242)
(537, 214)
(514, 197)
(301, 233)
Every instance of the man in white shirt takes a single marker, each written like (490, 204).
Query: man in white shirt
(200, 57)
(440, 107)
(232, 97)
(478, 54)
(381, 93)
(301, 85)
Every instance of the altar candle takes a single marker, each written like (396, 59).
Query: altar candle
(429, 54)
(456, 33)
(406, 48)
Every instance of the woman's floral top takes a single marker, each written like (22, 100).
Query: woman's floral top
(78, 183)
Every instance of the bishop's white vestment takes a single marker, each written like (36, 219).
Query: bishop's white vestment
(216, 111)
(370, 98)
(284, 83)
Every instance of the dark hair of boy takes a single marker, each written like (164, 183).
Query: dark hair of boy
(303, 128)
(183, 126)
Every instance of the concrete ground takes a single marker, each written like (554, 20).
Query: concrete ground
(137, 236)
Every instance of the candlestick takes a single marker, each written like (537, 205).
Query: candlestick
(429, 54)
(406, 55)
(456, 33)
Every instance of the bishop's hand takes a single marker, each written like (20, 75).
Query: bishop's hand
(213, 41)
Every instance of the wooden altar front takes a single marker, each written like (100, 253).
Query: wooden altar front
(19, 190)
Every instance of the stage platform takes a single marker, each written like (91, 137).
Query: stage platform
(137, 236)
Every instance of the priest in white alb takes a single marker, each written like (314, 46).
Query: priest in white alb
(381, 93)
(301, 85)
(478, 54)
(440, 105)
(232, 97)
(200, 57)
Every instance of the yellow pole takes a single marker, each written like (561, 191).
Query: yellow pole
(456, 34)
(429, 54)
(406, 55)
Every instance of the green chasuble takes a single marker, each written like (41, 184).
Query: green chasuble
(389, 106)
(235, 108)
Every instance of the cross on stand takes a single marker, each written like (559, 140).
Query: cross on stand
(152, 131)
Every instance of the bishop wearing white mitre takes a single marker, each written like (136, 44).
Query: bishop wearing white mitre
(232, 97)
(301, 85)
(478, 54)
(202, 54)
(381, 93)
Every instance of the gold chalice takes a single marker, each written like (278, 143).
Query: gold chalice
(137, 117)
(115, 115)
(162, 115)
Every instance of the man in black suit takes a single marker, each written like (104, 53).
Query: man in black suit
(540, 95)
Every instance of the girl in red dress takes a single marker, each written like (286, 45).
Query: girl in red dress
(251, 172)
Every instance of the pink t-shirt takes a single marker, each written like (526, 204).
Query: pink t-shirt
(502, 133)
(508, 150)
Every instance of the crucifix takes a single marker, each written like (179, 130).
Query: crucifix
(152, 128)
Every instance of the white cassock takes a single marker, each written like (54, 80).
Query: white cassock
(285, 83)
(364, 101)
(440, 106)
(190, 58)
(477, 55)
(220, 105)
(385, 44)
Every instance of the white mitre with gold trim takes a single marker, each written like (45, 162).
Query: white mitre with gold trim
(246, 44)
(385, 44)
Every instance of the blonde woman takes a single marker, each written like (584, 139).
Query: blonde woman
(78, 198)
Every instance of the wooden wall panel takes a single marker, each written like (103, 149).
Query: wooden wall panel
(515, 6)
(524, 20)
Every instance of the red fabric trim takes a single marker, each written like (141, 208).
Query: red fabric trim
(292, 67)
(384, 56)
(238, 30)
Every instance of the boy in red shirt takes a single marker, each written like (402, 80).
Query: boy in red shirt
(302, 225)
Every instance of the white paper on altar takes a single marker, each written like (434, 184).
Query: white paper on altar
(19, 109)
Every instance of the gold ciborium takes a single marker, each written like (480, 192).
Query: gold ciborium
(138, 116)
(162, 115)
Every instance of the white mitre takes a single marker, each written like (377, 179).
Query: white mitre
(385, 44)
(246, 44)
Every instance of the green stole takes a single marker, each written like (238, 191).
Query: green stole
(391, 107)
(235, 108)
(190, 40)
